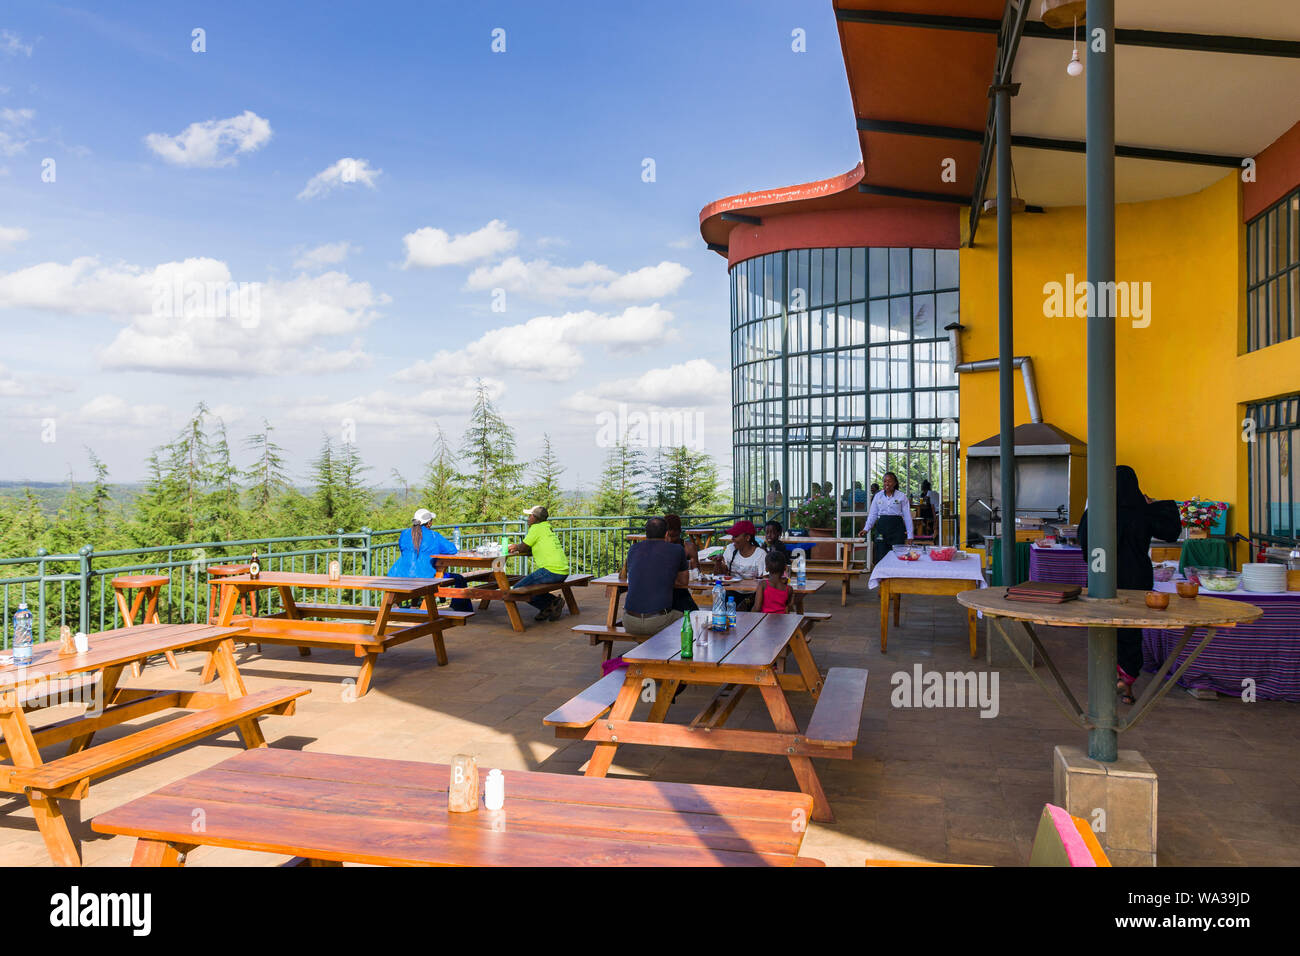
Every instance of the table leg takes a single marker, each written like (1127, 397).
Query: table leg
(970, 624)
(107, 688)
(45, 810)
(128, 620)
(667, 690)
(366, 672)
(151, 617)
(804, 772)
(812, 677)
(898, 606)
(229, 598)
(516, 621)
(603, 756)
(884, 613)
(439, 645)
(570, 600)
(160, 853)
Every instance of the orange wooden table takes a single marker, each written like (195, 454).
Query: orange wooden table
(324, 809)
(146, 587)
(51, 679)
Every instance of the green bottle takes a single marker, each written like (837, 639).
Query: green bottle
(688, 638)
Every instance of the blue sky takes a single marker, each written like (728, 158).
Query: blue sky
(380, 178)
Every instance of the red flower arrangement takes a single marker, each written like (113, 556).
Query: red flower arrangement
(1199, 513)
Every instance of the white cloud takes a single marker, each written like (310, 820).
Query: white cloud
(192, 317)
(15, 130)
(30, 385)
(329, 254)
(428, 247)
(12, 44)
(346, 170)
(685, 242)
(113, 411)
(540, 279)
(11, 234)
(691, 384)
(212, 143)
(547, 346)
(404, 411)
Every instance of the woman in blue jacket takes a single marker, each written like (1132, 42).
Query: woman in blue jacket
(419, 544)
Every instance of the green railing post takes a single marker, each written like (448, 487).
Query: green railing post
(365, 536)
(40, 592)
(83, 610)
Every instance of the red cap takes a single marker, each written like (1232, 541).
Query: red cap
(742, 527)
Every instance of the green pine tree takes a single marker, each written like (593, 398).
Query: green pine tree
(266, 478)
(621, 479)
(545, 489)
(492, 481)
(442, 492)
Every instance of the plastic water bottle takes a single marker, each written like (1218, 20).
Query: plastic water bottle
(455, 537)
(718, 622)
(800, 569)
(22, 635)
(731, 612)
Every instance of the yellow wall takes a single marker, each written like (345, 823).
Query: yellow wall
(1180, 383)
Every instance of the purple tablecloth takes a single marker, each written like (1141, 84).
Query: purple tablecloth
(1266, 651)
(1059, 565)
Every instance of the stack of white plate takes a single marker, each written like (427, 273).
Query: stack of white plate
(1263, 578)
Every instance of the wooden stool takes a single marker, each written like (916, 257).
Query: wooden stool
(247, 601)
(146, 587)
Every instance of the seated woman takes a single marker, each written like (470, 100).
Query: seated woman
(773, 593)
(417, 546)
(743, 558)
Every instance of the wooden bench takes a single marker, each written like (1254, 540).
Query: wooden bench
(838, 712)
(68, 776)
(590, 704)
(502, 589)
(368, 612)
(834, 572)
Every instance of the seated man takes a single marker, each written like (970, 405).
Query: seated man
(655, 567)
(541, 543)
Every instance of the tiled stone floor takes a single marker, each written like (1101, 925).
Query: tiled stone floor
(936, 784)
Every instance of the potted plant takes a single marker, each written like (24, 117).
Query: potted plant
(817, 514)
(1199, 516)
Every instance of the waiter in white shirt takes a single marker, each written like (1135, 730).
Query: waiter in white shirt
(891, 516)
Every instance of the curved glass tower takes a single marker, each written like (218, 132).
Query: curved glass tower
(840, 346)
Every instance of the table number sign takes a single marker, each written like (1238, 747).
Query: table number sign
(335, 571)
(462, 791)
(67, 644)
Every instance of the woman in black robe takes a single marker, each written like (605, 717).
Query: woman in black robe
(1138, 519)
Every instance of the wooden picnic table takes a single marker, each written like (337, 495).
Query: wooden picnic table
(92, 678)
(324, 809)
(700, 590)
(492, 583)
(752, 654)
(367, 630)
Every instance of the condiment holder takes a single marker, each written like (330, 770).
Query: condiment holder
(1157, 600)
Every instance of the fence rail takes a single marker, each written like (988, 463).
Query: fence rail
(77, 589)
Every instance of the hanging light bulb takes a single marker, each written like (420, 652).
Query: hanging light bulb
(1075, 67)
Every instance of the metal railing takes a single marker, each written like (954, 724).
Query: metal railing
(77, 589)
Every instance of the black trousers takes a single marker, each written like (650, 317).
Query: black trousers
(1128, 642)
(888, 531)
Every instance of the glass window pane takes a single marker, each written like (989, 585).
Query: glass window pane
(900, 366)
(922, 270)
(815, 279)
(828, 276)
(879, 320)
(946, 267)
(878, 281)
(900, 319)
(923, 317)
(859, 263)
(900, 271)
(858, 322)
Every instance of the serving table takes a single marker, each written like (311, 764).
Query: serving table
(1127, 609)
(1262, 656)
(896, 577)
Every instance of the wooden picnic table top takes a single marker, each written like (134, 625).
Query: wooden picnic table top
(355, 582)
(394, 812)
(706, 583)
(1128, 610)
(756, 641)
(107, 648)
(468, 559)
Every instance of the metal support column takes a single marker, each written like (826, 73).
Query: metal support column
(1103, 741)
(1006, 340)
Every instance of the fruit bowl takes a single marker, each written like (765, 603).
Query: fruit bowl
(906, 553)
(942, 554)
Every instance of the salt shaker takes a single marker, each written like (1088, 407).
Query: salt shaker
(494, 791)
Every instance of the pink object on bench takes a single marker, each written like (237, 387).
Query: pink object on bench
(1061, 841)
(612, 664)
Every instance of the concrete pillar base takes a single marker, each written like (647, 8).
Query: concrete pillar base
(1118, 799)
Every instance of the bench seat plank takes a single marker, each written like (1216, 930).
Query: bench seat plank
(107, 757)
(584, 709)
(838, 714)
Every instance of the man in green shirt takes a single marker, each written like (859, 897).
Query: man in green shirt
(544, 547)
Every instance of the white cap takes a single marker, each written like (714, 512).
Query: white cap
(424, 516)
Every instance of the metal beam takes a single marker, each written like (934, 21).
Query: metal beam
(912, 194)
(1130, 152)
(1014, 15)
(1193, 42)
(741, 217)
(1103, 557)
(1001, 96)
(1044, 142)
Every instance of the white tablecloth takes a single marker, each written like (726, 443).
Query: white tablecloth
(892, 567)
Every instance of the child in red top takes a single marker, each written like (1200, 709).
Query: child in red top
(772, 596)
